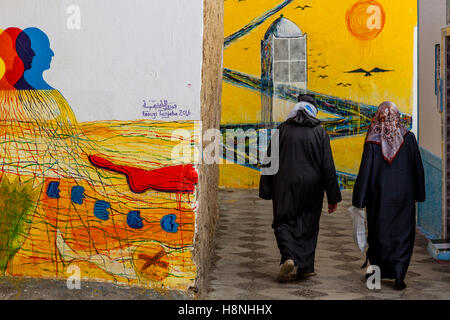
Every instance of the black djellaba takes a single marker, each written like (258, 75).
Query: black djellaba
(390, 182)
(306, 172)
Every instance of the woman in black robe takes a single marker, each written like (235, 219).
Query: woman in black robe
(306, 171)
(390, 182)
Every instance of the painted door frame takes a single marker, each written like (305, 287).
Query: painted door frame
(445, 41)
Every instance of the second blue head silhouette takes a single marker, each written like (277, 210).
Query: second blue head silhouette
(33, 48)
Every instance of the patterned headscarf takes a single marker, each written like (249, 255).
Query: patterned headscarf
(387, 131)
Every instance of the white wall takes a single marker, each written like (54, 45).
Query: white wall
(126, 52)
(432, 17)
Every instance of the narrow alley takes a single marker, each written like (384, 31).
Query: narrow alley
(246, 259)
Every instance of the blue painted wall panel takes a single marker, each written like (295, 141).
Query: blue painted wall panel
(429, 218)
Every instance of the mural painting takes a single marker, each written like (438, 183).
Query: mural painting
(109, 199)
(352, 55)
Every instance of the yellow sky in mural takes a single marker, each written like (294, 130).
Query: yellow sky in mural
(331, 44)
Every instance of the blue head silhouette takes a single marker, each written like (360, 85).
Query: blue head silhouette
(33, 47)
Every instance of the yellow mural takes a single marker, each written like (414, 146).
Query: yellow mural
(358, 54)
(64, 234)
(46, 230)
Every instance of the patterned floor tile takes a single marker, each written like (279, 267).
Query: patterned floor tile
(308, 294)
(246, 259)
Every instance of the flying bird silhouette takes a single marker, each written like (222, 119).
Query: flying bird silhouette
(369, 73)
(302, 7)
(323, 76)
(344, 84)
(323, 67)
(245, 49)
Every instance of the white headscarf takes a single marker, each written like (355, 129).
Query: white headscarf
(308, 107)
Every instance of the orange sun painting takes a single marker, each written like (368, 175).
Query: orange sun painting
(366, 19)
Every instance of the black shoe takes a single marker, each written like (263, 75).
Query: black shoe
(400, 285)
(305, 275)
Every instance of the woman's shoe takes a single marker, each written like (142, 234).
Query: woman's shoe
(285, 272)
(400, 285)
(305, 275)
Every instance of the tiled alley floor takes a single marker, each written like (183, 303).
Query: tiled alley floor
(246, 261)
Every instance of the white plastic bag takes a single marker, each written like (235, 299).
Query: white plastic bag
(359, 227)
